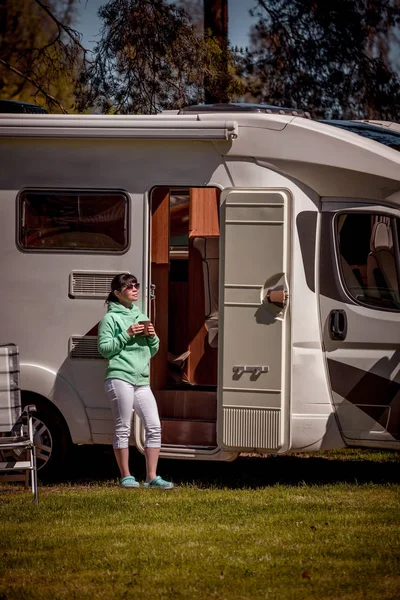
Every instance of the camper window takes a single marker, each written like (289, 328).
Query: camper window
(369, 255)
(73, 221)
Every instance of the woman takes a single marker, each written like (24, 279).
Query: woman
(128, 348)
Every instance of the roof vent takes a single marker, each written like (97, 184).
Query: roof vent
(243, 107)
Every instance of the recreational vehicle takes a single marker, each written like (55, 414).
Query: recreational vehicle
(267, 248)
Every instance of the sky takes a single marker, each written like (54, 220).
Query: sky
(239, 21)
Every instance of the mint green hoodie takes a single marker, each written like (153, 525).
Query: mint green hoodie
(128, 356)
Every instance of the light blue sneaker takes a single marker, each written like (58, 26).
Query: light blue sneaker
(159, 483)
(129, 482)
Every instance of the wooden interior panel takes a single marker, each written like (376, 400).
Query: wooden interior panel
(160, 278)
(160, 226)
(187, 404)
(188, 433)
(204, 212)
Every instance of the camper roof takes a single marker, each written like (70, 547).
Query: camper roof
(289, 142)
(243, 107)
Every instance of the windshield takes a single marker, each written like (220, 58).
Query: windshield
(382, 135)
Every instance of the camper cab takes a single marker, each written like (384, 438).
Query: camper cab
(267, 247)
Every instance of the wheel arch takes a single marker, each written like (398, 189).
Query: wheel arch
(56, 390)
(29, 397)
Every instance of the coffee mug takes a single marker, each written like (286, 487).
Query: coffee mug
(146, 327)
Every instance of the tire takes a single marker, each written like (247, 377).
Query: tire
(51, 435)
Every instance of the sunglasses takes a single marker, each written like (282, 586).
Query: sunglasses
(130, 286)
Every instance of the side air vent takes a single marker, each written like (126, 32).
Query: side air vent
(84, 347)
(251, 428)
(84, 284)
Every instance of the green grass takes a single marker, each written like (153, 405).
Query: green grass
(245, 530)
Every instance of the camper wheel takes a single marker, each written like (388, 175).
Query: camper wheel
(51, 435)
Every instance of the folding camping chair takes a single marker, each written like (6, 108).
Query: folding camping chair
(16, 424)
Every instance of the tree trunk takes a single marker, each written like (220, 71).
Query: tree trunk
(216, 25)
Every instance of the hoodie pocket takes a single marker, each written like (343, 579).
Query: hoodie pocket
(145, 372)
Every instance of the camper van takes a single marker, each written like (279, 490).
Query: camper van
(267, 245)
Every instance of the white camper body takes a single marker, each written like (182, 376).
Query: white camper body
(294, 346)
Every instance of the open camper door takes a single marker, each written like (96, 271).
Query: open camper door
(254, 355)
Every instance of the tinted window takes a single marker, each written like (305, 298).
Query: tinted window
(383, 135)
(64, 220)
(368, 247)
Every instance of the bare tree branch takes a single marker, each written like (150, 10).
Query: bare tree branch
(68, 30)
(37, 86)
(40, 51)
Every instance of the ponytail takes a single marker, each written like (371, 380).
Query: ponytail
(111, 298)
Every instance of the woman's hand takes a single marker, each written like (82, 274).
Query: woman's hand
(135, 329)
(151, 332)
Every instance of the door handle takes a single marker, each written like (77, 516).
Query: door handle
(278, 297)
(337, 325)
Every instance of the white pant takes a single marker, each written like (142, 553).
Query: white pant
(125, 398)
